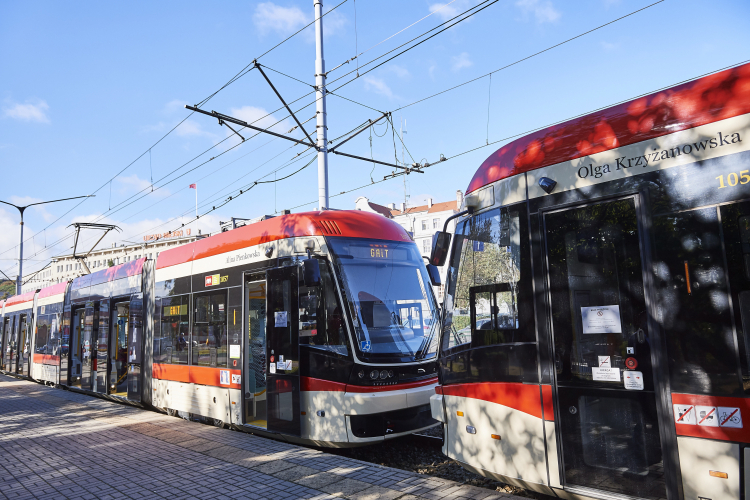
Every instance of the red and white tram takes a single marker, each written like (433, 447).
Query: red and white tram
(316, 327)
(596, 335)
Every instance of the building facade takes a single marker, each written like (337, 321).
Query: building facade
(421, 222)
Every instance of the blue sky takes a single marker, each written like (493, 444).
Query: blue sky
(87, 87)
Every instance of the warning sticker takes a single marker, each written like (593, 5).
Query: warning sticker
(236, 379)
(684, 414)
(707, 415)
(605, 362)
(224, 377)
(730, 417)
(605, 374)
(633, 380)
(272, 368)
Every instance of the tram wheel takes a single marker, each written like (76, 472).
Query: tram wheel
(218, 423)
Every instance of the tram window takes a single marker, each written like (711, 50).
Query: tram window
(209, 340)
(42, 334)
(489, 301)
(174, 340)
(321, 316)
(694, 307)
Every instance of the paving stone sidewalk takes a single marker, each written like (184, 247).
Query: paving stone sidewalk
(60, 444)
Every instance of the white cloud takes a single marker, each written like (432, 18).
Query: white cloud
(192, 128)
(543, 10)
(29, 112)
(399, 71)
(461, 61)
(449, 10)
(174, 105)
(609, 46)
(270, 17)
(378, 86)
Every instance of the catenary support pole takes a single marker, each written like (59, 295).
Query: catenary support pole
(320, 108)
(20, 255)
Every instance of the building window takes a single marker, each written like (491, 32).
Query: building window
(426, 245)
(435, 223)
(424, 225)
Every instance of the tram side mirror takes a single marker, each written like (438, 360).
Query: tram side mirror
(434, 273)
(441, 244)
(311, 272)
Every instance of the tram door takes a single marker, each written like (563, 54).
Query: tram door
(282, 350)
(76, 347)
(118, 377)
(10, 345)
(88, 371)
(255, 365)
(4, 334)
(608, 428)
(23, 346)
(102, 348)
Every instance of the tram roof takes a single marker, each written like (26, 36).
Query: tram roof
(705, 100)
(19, 299)
(53, 290)
(344, 223)
(132, 268)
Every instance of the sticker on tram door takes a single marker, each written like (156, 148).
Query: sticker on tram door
(707, 416)
(236, 379)
(684, 414)
(224, 377)
(730, 417)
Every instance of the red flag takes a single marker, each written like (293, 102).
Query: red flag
(193, 186)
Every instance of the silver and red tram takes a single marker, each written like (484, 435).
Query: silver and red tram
(596, 333)
(316, 327)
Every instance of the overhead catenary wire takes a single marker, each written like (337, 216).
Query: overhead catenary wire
(529, 56)
(401, 54)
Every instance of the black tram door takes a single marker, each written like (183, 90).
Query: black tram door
(118, 345)
(282, 350)
(608, 425)
(24, 344)
(4, 338)
(135, 347)
(10, 344)
(87, 347)
(255, 367)
(76, 347)
(102, 348)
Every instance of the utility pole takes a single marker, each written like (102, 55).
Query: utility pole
(20, 244)
(320, 108)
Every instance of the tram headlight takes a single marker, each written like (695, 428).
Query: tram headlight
(374, 374)
(390, 373)
(384, 374)
(361, 374)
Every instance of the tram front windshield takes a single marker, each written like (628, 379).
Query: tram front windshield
(390, 299)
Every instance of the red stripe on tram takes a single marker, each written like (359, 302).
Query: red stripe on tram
(734, 434)
(522, 397)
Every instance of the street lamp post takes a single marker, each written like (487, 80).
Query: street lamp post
(20, 244)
